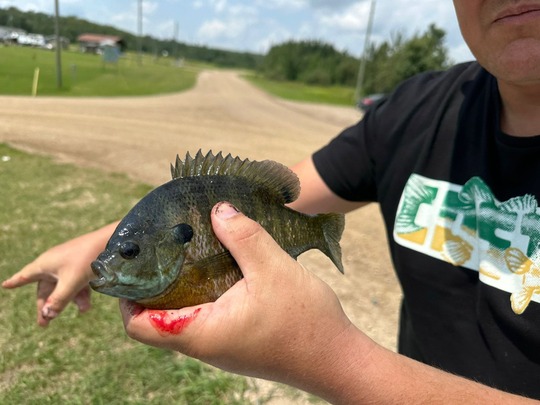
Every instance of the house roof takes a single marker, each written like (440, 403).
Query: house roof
(98, 38)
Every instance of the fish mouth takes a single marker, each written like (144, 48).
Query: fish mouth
(104, 276)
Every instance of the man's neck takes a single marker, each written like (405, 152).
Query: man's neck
(520, 114)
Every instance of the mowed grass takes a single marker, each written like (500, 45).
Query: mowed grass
(82, 358)
(296, 91)
(88, 75)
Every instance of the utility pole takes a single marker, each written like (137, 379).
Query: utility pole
(175, 39)
(58, 45)
(363, 61)
(140, 31)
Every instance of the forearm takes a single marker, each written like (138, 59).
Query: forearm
(360, 371)
(315, 196)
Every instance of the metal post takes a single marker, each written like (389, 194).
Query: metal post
(363, 61)
(140, 31)
(175, 39)
(58, 45)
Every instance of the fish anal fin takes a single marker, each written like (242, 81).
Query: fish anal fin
(520, 300)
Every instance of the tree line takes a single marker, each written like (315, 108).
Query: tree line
(312, 62)
(71, 27)
(387, 64)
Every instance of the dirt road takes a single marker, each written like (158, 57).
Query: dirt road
(140, 136)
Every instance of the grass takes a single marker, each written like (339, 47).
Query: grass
(295, 91)
(87, 75)
(82, 359)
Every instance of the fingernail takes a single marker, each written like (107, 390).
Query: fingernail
(226, 210)
(48, 313)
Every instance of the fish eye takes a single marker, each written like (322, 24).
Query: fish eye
(129, 250)
(183, 233)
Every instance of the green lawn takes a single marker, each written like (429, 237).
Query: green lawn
(88, 75)
(296, 91)
(82, 359)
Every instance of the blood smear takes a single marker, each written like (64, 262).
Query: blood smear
(168, 324)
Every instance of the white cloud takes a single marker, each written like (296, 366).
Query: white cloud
(354, 18)
(334, 4)
(216, 28)
(282, 4)
(218, 5)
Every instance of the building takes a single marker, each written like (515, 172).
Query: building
(10, 35)
(94, 43)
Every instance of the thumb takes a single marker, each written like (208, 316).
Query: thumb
(249, 243)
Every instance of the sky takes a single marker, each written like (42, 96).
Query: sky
(256, 25)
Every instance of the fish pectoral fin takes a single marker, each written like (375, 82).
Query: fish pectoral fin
(456, 252)
(516, 261)
(221, 264)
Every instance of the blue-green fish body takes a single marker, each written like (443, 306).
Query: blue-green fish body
(164, 254)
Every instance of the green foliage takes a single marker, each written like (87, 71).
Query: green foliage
(71, 27)
(311, 62)
(391, 62)
(387, 64)
(82, 359)
(87, 75)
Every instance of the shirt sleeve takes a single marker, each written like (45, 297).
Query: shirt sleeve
(346, 164)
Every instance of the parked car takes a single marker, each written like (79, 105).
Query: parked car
(368, 101)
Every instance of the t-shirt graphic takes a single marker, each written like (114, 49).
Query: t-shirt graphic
(467, 226)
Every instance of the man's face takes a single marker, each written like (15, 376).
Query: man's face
(504, 36)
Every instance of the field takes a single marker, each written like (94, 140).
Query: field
(338, 95)
(88, 75)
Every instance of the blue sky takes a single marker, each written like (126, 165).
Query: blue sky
(258, 24)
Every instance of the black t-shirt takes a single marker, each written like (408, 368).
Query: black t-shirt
(459, 200)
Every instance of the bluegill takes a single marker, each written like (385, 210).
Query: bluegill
(164, 254)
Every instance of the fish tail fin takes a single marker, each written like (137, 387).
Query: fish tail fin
(332, 226)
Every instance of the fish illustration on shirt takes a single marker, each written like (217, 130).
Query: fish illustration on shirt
(467, 226)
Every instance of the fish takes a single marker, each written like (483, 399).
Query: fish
(164, 254)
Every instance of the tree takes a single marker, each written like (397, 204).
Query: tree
(312, 62)
(396, 60)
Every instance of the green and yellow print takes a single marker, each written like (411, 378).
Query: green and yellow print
(467, 226)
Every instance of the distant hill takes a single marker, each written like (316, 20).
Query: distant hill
(71, 27)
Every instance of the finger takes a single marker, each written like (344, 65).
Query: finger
(28, 274)
(44, 290)
(161, 328)
(82, 299)
(53, 299)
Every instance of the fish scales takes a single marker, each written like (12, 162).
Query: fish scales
(164, 254)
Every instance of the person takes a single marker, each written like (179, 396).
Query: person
(451, 157)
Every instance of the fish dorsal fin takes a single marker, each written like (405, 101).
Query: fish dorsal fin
(275, 177)
(525, 204)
